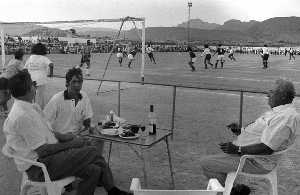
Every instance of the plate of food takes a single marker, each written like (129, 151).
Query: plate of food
(111, 132)
(129, 135)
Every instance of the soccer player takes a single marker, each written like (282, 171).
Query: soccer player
(220, 51)
(192, 59)
(230, 56)
(207, 57)
(149, 51)
(131, 54)
(265, 56)
(86, 57)
(120, 56)
(291, 52)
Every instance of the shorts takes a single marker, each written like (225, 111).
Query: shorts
(207, 57)
(150, 55)
(119, 55)
(220, 57)
(130, 56)
(193, 60)
(86, 59)
(265, 57)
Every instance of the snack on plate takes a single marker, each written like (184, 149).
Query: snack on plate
(108, 124)
(127, 134)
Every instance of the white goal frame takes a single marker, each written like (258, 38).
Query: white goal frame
(128, 18)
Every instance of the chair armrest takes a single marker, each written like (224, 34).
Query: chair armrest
(135, 184)
(214, 185)
(8, 152)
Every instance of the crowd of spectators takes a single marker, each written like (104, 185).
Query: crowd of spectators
(54, 45)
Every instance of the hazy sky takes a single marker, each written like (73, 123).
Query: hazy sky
(156, 12)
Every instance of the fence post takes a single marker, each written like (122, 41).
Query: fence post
(241, 109)
(173, 109)
(119, 98)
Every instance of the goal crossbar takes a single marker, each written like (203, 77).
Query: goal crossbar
(128, 18)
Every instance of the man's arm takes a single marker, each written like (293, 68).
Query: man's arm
(64, 137)
(50, 149)
(255, 149)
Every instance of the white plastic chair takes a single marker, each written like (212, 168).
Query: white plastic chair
(271, 176)
(213, 188)
(43, 188)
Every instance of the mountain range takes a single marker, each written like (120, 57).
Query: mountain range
(278, 30)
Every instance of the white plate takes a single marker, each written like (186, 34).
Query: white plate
(131, 137)
(111, 132)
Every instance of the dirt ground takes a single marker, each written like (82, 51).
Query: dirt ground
(199, 126)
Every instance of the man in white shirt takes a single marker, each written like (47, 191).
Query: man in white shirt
(274, 131)
(70, 111)
(30, 135)
(149, 51)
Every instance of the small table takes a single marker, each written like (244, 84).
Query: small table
(143, 143)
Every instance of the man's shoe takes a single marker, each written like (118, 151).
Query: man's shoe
(240, 189)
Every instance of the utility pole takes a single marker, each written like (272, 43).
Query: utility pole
(189, 18)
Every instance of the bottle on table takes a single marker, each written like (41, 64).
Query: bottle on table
(152, 121)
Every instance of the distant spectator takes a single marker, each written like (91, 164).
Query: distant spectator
(38, 66)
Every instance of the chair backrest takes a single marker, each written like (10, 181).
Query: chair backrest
(212, 189)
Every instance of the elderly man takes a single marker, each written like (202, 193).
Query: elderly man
(29, 134)
(273, 131)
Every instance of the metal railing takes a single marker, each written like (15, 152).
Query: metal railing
(175, 87)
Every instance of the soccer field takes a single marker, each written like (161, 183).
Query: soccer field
(171, 68)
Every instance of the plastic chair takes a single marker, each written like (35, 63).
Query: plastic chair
(44, 188)
(271, 176)
(213, 188)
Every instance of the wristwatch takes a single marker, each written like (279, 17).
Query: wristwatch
(240, 150)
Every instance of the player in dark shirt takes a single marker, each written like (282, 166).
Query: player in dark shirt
(220, 51)
(192, 59)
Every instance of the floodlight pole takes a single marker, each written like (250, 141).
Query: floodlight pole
(2, 47)
(143, 51)
(189, 18)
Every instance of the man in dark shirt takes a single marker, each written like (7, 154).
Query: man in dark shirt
(86, 57)
(220, 51)
(192, 58)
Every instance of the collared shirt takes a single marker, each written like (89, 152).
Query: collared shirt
(265, 50)
(275, 128)
(64, 115)
(26, 129)
(37, 66)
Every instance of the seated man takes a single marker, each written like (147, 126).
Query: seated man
(69, 111)
(28, 132)
(273, 131)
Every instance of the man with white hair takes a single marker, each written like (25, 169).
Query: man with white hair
(273, 131)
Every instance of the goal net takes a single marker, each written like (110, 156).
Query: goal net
(120, 22)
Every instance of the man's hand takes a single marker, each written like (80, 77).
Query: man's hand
(229, 148)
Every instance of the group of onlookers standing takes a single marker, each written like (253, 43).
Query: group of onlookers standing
(39, 67)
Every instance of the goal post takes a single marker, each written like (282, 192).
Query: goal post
(128, 18)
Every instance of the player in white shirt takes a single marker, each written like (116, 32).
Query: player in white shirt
(38, 66)
(120, 56)
(207, 56)
(230, 56)
(149, 51)
(265, 56)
